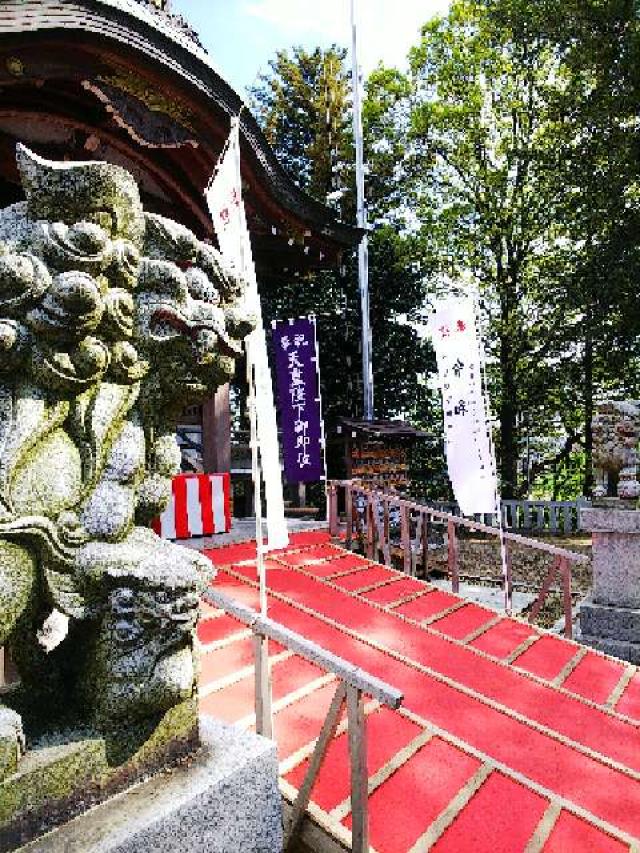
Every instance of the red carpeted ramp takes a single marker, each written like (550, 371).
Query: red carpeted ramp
(509, 739)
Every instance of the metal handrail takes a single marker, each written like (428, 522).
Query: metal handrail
(354, 683)
(377, 540)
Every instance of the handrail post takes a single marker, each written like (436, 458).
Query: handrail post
(565, 574)
(452, 555)
(371, 533)
(359, 773)
(405, 534)
(327, 734)
(385, 517)
(348, 507)
(333, 509)
(508, 580)
(553, 570)
(382, 528)
(358, 524)
(264, 716)
(425, 544)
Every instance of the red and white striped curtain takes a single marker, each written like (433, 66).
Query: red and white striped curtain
(200, 506)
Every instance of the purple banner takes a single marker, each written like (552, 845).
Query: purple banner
(294, 343)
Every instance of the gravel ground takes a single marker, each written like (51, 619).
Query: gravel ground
(479, 562)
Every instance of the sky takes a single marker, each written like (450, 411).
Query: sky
(241, 36)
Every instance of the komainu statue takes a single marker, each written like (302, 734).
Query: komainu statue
(111, 319)
(616, 433)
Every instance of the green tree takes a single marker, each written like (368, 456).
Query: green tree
(597, 46)
(518, 181)
(509, 155)
(304, 104)
(600, 45)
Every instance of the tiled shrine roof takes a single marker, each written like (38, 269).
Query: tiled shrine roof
(380, 428)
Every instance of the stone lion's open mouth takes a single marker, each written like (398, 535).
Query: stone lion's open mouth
(166, 324)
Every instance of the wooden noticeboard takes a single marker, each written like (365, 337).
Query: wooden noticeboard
(375, 453)
(379, 463)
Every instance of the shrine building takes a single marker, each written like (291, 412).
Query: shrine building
(128, 82)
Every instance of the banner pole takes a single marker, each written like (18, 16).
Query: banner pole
(506, 574)
(224, 199)
(323, 437)
(224, 196)
(253, 415)
(257, 489)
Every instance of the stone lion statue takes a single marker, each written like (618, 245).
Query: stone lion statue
(111, 319)
(616, 432)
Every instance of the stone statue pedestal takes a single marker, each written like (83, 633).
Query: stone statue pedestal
(225, 799)
(610, 617)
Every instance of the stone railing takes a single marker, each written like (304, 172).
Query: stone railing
(558, 518)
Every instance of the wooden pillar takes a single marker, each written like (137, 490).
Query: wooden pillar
(216, 433)
(452, 536)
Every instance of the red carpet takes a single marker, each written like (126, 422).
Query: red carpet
(509, 739)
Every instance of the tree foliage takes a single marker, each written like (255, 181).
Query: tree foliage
(304, 104)
(508, 156)
(521, 181)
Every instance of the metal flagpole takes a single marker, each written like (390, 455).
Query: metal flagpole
(263, 685)
(363, 248)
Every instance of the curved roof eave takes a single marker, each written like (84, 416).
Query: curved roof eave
(115, 19)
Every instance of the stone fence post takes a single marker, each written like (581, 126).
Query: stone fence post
(610, 617)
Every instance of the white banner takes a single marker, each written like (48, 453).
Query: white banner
(224, 197)
(469, 449)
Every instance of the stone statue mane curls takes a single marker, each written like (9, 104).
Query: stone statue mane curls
(111, 320)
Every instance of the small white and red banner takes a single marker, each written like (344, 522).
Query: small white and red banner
(467, 431)
(199, 506)
(224, 198)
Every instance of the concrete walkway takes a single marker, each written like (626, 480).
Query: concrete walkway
(489, 596)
